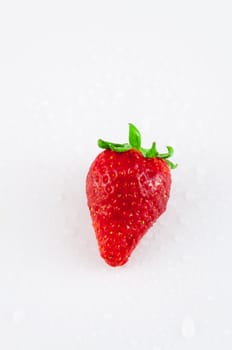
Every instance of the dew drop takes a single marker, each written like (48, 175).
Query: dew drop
(188, 328)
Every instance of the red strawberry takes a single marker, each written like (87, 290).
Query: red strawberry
(127, 189)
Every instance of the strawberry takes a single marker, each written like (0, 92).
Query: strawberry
(127, 189)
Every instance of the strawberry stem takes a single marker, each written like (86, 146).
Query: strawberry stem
(135, 143)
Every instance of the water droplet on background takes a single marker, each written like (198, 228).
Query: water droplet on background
(188, 328)
(18, 316)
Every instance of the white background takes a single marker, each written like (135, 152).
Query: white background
(69, 74)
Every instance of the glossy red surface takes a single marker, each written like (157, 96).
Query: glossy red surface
(126, 194)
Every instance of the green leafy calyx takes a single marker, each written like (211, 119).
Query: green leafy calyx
(135, 143)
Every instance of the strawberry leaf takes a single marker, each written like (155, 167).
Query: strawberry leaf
(167, 155)
(135, 143)
(117, 147)
(172, 165)
(134, 137)
(152, 152)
